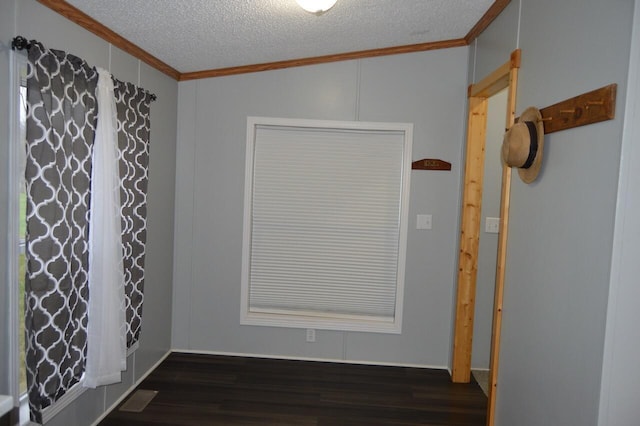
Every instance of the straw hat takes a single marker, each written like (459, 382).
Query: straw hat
(523, 143)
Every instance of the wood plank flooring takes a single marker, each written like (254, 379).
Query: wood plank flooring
(220, 390)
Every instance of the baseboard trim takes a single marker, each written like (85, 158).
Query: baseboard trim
(313, 359)
(131, 388)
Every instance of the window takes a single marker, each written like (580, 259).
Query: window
(325, 221)
(22, 225)
(17, 224)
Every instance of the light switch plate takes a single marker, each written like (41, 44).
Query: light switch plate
(492, 225)
(423, 221)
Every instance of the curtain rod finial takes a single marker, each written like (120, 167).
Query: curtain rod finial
(20, 43)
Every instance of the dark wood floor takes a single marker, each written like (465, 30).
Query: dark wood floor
(220, 390)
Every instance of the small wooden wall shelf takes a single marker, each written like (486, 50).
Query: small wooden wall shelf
(430, 164)
(592, 107)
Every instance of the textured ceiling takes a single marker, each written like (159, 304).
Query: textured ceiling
(197, 35)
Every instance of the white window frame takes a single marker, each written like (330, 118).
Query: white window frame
(16, 63)
(314, 320)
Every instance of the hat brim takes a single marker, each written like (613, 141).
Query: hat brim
(530, 174)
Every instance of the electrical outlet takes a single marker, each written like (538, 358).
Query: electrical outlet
(311, 335)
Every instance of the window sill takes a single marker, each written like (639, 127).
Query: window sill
(372, 325)
(6, 404)
(73, 393)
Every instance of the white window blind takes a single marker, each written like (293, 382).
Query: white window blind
(325, 224)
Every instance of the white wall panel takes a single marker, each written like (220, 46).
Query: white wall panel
(38, 22)
(497, 42)
(123, 66)
(222, 106)
(117, 390)
(561, 226)
(427, 89)
(620, 375)
(82, 411)
(155, 340)
(183, 228)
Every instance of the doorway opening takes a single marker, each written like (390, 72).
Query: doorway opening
(488, 245)
(504, 77)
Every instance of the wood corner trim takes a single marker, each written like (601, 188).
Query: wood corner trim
(516, 56)
(496, 9)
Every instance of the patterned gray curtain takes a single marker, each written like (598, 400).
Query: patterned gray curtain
(133, 107)
(61, 124)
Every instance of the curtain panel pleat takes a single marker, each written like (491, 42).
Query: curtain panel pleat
(61, 124)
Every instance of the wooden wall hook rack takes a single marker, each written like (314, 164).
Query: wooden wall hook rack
(591, 107)
(430, 164)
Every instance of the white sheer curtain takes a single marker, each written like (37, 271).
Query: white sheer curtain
(106, 337)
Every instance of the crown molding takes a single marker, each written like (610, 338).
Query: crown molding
(85, 21)
(77, 16)
(323, 59)
(496, 9)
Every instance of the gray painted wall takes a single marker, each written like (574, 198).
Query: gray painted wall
(35, 21)
(6, 27)
(427, 89)
(488, 246)
(620, 373)
(561, 226)
(561, 232)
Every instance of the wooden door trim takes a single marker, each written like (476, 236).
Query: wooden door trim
(469, 239)
(505, 76)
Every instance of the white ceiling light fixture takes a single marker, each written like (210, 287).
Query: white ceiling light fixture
(316, 6)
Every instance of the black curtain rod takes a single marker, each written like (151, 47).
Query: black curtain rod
(21, 43)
